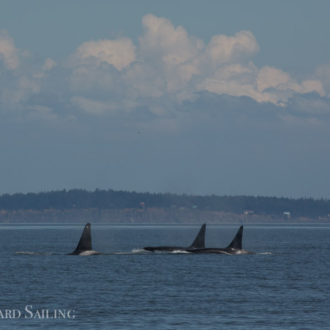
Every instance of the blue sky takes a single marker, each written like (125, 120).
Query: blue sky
(197, 97)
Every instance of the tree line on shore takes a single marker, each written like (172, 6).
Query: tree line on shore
(111, 199)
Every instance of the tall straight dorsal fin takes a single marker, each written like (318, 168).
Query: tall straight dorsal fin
(236, 243)
(85, 242)
(199, 242)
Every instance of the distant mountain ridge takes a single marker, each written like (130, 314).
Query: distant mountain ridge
(111, 199)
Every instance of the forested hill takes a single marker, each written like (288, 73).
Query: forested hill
(110, 199)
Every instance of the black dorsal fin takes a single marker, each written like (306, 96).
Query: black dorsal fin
(85, 242)
(199, 242)
(236, 243)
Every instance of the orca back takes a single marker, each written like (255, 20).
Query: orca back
(199, 242)
(236, 243)
(85, 242)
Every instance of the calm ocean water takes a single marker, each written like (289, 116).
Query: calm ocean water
(286, 285)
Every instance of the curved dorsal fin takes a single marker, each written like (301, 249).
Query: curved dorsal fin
(199, 242)
(85, 242)
(236, 243)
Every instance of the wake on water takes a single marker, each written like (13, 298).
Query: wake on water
(133, 252)
(32, 253)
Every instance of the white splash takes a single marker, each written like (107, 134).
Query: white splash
(139, 251)
(180, 251)
(88, 253)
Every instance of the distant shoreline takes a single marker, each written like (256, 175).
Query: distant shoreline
(145, 216)
(110, 206)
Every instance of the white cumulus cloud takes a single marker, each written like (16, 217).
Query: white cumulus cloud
(269, 77)
(8, 51)
(169, 63)
(222, 48)
(172, 45)
(164, 68)
(120, 53)
(267, 84)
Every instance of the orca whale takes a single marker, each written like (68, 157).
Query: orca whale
(84, 247)
(235, 247)
(198, 243)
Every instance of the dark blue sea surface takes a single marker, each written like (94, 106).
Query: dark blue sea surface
(286, 285)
